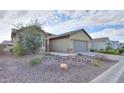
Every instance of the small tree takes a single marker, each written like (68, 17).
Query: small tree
(30, 38)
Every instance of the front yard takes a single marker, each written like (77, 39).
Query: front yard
(80, 69)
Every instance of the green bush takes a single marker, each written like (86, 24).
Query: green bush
(113, 51)
(121, 50)
(35, 61)
(11, 50)
(108, 48)
(110, 51)
(93, 50)
(17, 50)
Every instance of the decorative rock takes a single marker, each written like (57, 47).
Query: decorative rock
(64, 66)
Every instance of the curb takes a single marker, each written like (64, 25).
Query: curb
(112, 75)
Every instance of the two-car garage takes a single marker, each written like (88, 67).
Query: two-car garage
(79, 46)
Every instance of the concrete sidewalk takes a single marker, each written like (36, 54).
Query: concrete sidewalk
(112, 75)
(121, 79)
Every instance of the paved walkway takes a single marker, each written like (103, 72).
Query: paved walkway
(62, 54)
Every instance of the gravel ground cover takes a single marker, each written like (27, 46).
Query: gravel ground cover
(80, 69)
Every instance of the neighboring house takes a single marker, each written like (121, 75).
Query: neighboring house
(1, 49)
(15, 33)
(121, 45)
(7, 45)
(100, 43)
(114, 44)
(74, 41)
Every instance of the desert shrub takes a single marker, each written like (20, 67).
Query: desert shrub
(97, 60)
(93, 50)
(17, 50)
(35, 61)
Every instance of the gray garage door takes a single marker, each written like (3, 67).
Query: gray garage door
(79, 46)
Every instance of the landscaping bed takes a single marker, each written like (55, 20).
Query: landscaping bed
(109, 50)
(80, 69)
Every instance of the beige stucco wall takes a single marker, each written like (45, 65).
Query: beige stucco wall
(79, 36)
(89, 45)
(59, 45)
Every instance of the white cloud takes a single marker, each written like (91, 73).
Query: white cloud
(87, 18)
(8, 18)
(64, 26)
(114, 34)
(103, 17)
(78, 19)
(108, 33)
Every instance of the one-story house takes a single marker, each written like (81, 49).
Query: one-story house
(74, 41)
(100, 43)
(7, 45)
(121, 45)
(115, 44)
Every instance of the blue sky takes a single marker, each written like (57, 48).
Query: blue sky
(96, 23)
